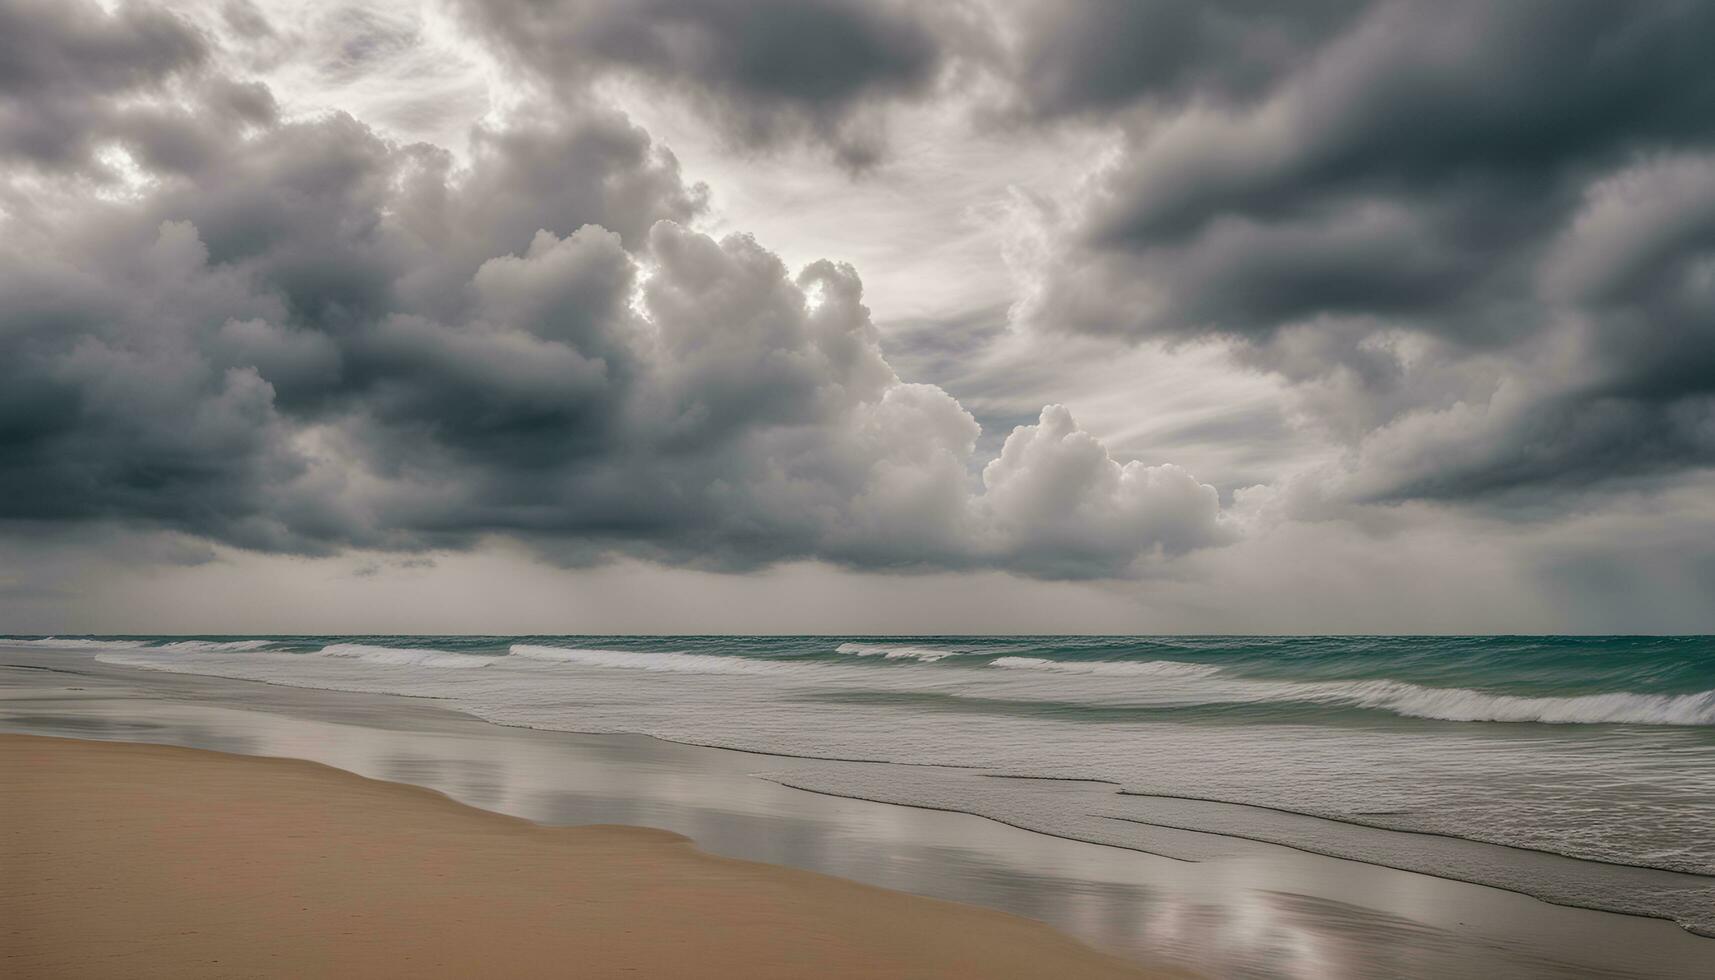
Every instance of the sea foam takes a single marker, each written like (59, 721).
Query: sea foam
(894, 652)
(1402, 698)
(678, 663)
(73, 643)
(402, 657)
(1123, 668)
(1458, 704)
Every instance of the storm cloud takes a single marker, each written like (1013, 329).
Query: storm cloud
(770, 71)
(306, 337)
(1479, 234)
(71, 74)
(382, 280)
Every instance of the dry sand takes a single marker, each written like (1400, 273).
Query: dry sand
(149, 861)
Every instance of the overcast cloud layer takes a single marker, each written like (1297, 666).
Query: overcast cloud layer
(1486, 229)
(340, 280)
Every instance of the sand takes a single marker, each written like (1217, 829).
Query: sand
(150, 861)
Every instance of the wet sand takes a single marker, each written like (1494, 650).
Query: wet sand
(140, 860)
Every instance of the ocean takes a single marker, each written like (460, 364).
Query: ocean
(1562, 767)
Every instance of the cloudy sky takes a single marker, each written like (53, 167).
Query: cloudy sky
(857, 316)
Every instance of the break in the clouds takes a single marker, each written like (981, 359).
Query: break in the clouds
(1174, 291)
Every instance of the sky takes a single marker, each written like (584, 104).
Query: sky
(857, 316)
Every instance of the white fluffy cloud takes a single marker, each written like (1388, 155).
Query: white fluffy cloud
(1057, 502)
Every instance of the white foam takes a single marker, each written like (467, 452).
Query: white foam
(1406, 699)
(887, 652)
(1109, 668)
(1459, 704)
(213, 646)
(74, 643)
(402, 657)
(679, 663)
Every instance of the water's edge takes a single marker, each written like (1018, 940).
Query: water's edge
(1658, 889)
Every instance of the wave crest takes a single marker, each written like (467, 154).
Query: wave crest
(1109, 668)
(73, 643)
(678, 663)
(892, 652)
(1459, 704)
(402, 657)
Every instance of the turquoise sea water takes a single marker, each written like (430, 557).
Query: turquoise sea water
(1571, 680)
(1595, 748)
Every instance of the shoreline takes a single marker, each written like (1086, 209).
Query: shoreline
(987, 773)
(262, 866)
(1544, 873)
(1547, 884)
(1253, 908)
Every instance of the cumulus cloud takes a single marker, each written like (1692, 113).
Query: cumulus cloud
(1092, 57)
(307, 338)
(1057, 498)
(67, 72)
(770, 71)
(1482, 226)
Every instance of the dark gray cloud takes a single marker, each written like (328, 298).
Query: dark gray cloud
(770, 71)
(1422, 211)
(299, 336)
(64, 68)
(168, 354)
(1095, 57)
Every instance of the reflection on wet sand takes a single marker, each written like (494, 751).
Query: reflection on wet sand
(1252, 910)
(131, 729)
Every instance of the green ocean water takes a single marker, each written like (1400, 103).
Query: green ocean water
(1559, 679)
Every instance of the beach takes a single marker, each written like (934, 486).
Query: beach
(1217, 905)
(823, 488)
(132, 860)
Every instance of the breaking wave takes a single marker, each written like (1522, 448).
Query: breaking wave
(1402, 698)
(678, 663)
(1458, 704)
(890, 652)
(397, 657)
(1141, 684)
(74, 643)
(1150, 668)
